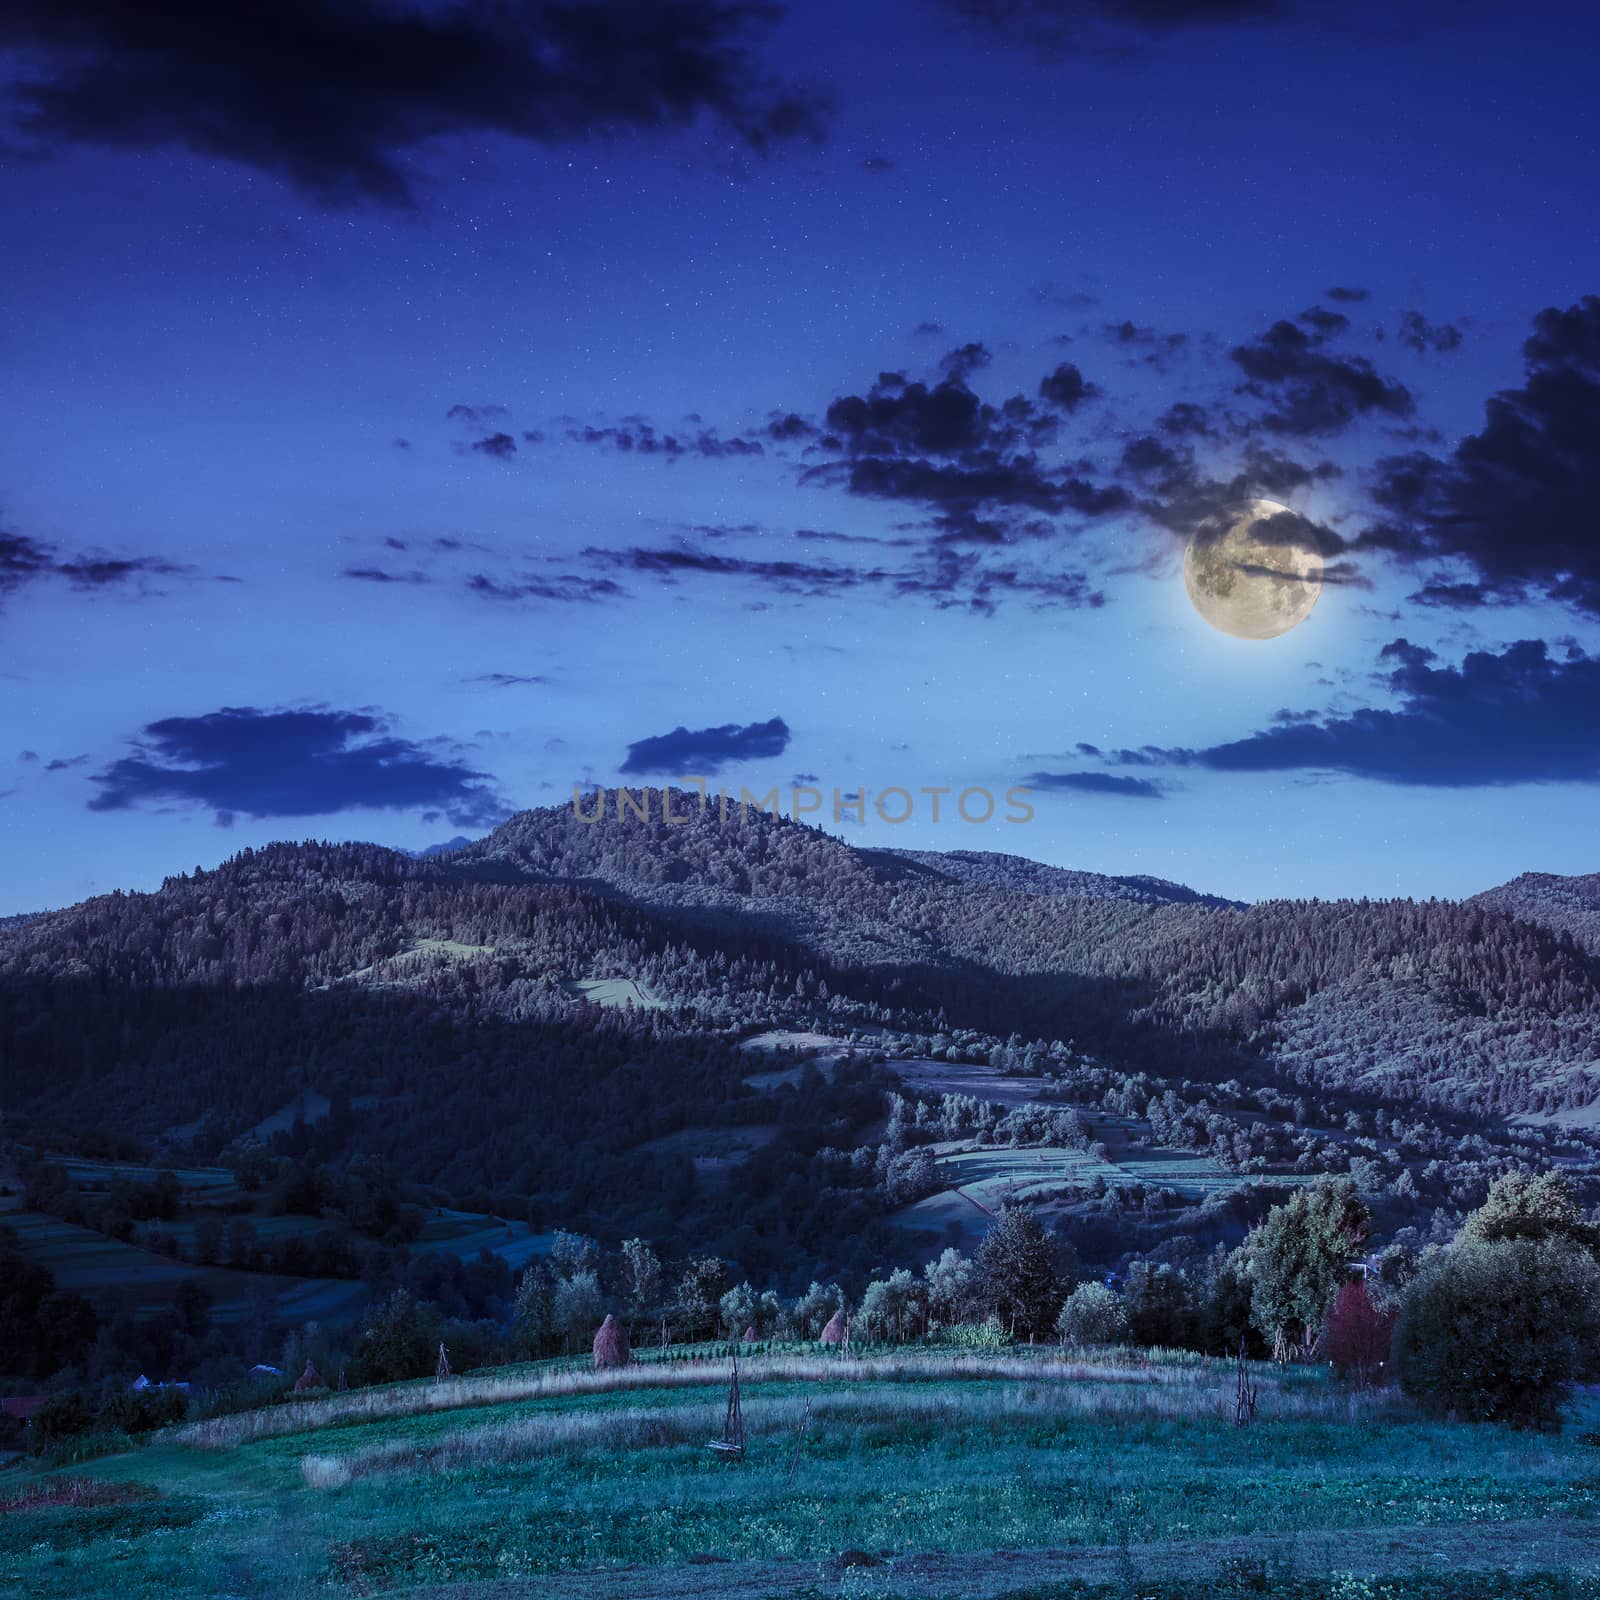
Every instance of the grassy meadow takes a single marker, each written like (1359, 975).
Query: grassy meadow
(909, 1473)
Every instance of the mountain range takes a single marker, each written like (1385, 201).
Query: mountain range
(550, 1019)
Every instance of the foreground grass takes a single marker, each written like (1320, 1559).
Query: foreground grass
(914, 1476)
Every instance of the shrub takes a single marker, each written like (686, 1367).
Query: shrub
(1358, 1334)
(986, 1335)
(62, 1416)
(1497, 1331)
(1092, 1315)
(397, 1340)
(143, 1411)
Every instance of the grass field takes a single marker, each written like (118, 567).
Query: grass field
(616, 993)
(207, 1184)
(96, 1266)
(917, 1474)
(465, 1233)
(100, 1267)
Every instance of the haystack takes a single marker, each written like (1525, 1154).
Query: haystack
(838, 1330)
(611, 1344)
(309, 1379)
(749, 1336)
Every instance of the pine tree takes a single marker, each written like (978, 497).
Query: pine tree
(1016, 1273)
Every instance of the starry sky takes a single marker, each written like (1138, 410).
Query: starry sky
(415, 410)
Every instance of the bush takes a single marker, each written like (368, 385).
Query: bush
(1497, 1331)
(986, 1335)
(62, 1416)
(1092, 1315)
(143, 1411)
(1358, 1334)
(397, 1341)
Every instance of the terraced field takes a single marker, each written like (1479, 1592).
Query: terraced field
(98, 1267)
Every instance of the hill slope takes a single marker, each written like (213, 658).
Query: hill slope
(1565, 904)
(549, 1020)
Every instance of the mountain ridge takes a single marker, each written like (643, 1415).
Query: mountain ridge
(1569, 903)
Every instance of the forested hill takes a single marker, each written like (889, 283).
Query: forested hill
(1571, 903)
(994, 870)
(457, 992)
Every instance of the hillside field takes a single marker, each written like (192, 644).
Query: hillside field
(105, 1269)
(918, 1473)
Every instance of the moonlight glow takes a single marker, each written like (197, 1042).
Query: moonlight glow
(1251, 586)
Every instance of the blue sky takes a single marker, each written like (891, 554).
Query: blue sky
(268, 442)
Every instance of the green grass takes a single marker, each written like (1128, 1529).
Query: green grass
(616, 993)
(916, 1473)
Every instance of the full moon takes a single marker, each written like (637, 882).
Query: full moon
(1243, 584)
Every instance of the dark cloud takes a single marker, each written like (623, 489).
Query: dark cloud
(22, 560)
(972, 464)
(965, 360)
(476, 414)
(877, 164)
(25, 560)
(927, 330)
(1185, 419)
(257, 763)
(506, 680)
(498, 446)
(1522, 716)
(1054, 27)
(1146, 346)
(66, 763)
(109, 572)
(337, 96)
(944, 577)
(897, 417)
(1182, 496)
(1417, 333)
(1308, 390)
(569, 588)
(1053, 295)
(1066, 387)
(1096, 783)
(634, 436)
(670, 562)
(788, 427)
(384, 575)
(1453, 596)
(1325, 324)
(1514, 502)
(705, 751)
(1349, 295)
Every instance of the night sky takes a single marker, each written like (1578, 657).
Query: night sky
(412, 411)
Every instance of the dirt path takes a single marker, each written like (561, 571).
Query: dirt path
(1554, 1544)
